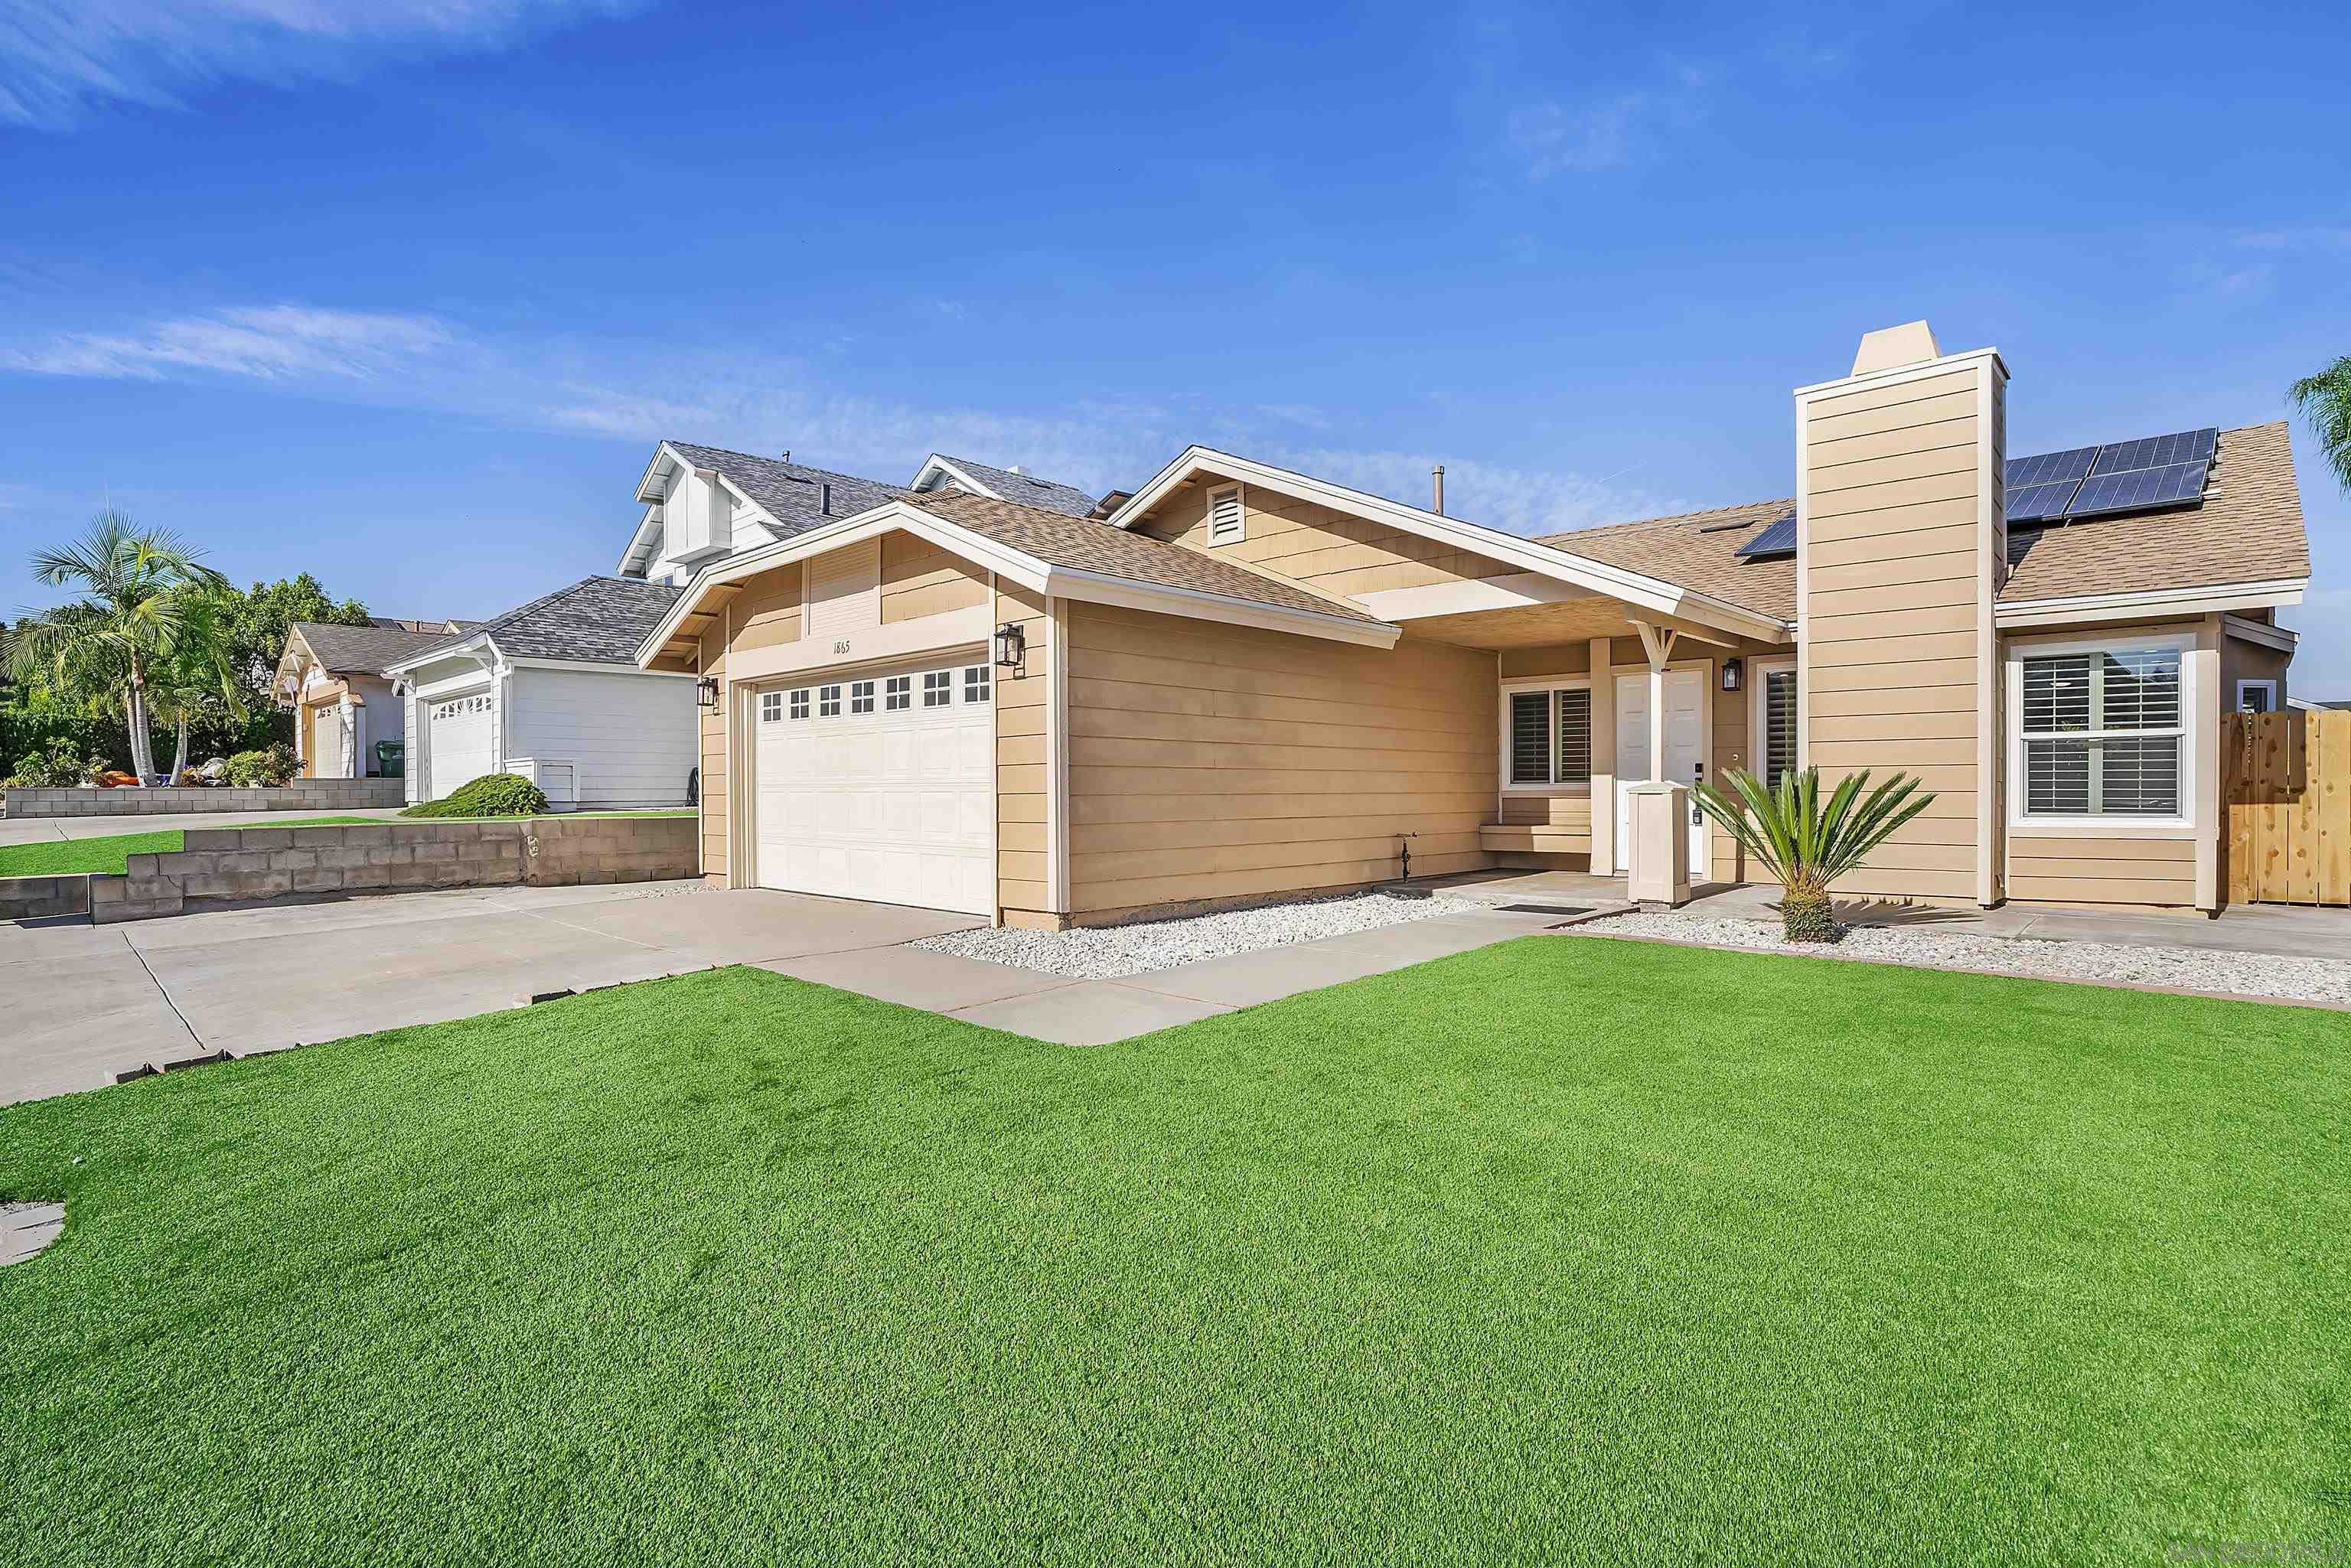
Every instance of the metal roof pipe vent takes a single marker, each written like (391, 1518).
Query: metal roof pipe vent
(824, 497)
(1437, 476)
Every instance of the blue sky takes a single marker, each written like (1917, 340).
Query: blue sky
(403, 291)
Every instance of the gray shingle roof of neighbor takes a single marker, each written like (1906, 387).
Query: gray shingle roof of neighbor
(791, 492)
(597, 621)
(1027, 489)
(367, 649)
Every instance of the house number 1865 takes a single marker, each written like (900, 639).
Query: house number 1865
(841, 646)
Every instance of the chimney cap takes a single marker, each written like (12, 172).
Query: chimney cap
(1890, 348)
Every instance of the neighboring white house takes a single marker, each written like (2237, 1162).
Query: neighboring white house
(551, 691)
(704, 504)
(347, 720)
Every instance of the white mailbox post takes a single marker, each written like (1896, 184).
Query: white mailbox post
(1659, 876)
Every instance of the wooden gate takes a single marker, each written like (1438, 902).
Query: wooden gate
(2285, 780)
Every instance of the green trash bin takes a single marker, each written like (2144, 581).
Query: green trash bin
(390, 758)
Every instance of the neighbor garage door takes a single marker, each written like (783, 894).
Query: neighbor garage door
(879, 786)
(459, 750)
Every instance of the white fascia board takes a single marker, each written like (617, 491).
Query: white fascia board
(478, 648)
(598, 666)
(934, 464)
(641, 545)
(2153, 602)
(1894, 375)
(1615, 581)
(1099, 587)
(645, 481)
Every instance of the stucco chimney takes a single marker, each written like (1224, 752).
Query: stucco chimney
(1901, 546)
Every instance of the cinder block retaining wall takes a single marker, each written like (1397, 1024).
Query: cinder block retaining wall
(317, 795)
(253, 864)
(38, 897)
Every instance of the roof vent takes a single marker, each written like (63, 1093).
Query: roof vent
(824, 498)
(1436, 480)
(787, 455)
(1016, 468)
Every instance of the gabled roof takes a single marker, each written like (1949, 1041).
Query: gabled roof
(368, 650)
(790, 493)
(1058, 539)
(595, 621)
(1699, 549)
(1004, 484)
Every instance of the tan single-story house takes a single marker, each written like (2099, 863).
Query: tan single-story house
(333, 678)
(1243, 682)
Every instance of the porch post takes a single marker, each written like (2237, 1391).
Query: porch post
(1603, 761)
(1659, 645)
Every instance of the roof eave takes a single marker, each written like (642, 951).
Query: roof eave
(2143, 604)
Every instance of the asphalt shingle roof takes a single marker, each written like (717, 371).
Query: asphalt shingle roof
(1027, 489)
(2249, 529)
(363, 650)
(791, 492)
(597, 619)
(1060, 540)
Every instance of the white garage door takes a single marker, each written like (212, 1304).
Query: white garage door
(459, 750)
(880, 786)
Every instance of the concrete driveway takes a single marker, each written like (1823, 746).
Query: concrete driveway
(83, 1003)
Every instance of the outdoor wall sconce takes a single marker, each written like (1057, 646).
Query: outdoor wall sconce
(1731, 671)
(706, 692)
(1012, 645)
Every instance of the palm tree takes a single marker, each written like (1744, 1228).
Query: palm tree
(195, 673)
(2325, 399)
(143, 592)
(1806, 845)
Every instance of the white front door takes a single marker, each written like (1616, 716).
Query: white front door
(1685, 751)
(880, 785)
(459, 746)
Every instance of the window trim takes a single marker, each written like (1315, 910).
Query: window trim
(1553, 683)
(2108, 825)
(2269, 686)
(1759, 714)
(1241, 505)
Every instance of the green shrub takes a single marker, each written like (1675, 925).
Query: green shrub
(491, 795)
(56, 765)
(252, 769)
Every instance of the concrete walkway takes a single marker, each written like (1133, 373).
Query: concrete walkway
(48, 830)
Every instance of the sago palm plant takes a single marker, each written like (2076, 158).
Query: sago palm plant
(1806, 844)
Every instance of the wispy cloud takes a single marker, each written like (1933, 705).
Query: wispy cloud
(60, 59)
(1608, 130)
(640, 393)
(269, 342)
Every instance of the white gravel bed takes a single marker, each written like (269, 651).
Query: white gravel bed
(2183, 968)
(1105, 953)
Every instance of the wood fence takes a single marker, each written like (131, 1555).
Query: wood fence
(2286, 787)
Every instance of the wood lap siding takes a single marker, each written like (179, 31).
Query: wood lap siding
(1893, 601)
(2051, 870)
(1023, 766)
(1313, 545)
(1211, 763)
(919, 578)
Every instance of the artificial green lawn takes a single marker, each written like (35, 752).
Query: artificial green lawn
(1558, 1252)
(79, 857)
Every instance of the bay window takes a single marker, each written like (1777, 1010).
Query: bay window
(2102, 731)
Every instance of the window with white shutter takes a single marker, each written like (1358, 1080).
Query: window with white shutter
(1225, 516)
(1778, 749)
(1549, 739)
(2104, 732)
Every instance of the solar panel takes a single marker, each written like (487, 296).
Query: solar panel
(2140, 490)
(1780, 538)
(2041, 503)
(2157, 452)
(2024, 473)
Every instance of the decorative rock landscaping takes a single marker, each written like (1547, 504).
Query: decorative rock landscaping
(2173, 968)
(1106, 951)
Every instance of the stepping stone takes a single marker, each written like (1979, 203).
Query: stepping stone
(27, 1227)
